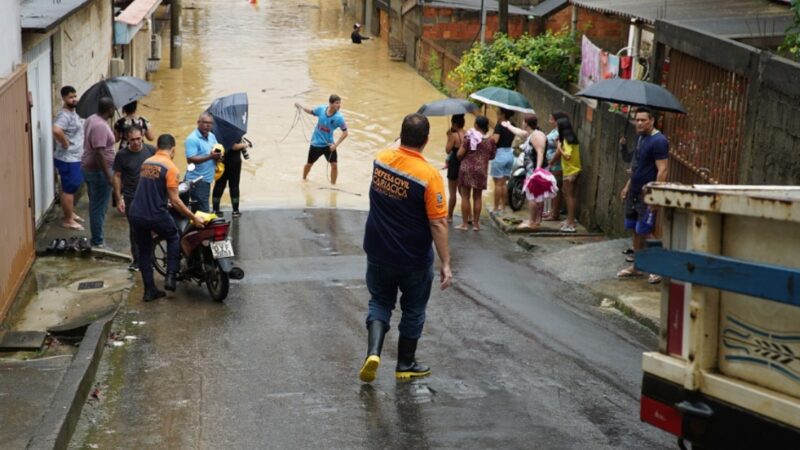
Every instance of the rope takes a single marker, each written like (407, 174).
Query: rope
(306, 124)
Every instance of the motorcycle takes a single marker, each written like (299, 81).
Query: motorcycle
(206, 253)
(516, 196)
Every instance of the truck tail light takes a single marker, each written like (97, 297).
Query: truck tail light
(661, 415)
(678, 318)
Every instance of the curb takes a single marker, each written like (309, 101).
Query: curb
(632, 313)
(617, 303)
(541, 232)
(95, 252)
(58, 424)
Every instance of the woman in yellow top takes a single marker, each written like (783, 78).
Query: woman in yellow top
(569, 150)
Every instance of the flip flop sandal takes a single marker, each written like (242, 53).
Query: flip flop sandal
(52, 246)
(76, 226)
(629, 273)
(72, 243)
(62, 244)
(83, 244)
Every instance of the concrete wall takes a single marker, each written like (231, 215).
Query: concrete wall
(412, 31)
(82, 47)
(356, 8)
(11, 49)
(136, 54)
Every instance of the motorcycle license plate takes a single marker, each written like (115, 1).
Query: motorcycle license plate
(222, 249)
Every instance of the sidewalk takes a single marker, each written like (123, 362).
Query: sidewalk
(67, 301)
(589, 260)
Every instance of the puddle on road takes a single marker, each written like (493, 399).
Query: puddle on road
(54, 293)
(280, 53)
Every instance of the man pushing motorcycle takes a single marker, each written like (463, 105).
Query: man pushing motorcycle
(149, 213)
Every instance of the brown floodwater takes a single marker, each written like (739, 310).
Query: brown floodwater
(279, 53)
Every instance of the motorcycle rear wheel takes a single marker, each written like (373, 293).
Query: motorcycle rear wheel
(516, 196)
(218, 283)
(160, 256)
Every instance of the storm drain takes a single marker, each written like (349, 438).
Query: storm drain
(12, 341)
(86, 285)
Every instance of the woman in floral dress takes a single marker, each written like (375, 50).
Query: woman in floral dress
(475, 153)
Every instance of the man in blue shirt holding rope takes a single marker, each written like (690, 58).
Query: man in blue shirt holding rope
(329, 118)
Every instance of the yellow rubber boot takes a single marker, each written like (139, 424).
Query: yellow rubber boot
(369, 370)
(407, 366)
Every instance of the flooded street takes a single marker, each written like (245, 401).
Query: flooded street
(519, 360)
(280, 53)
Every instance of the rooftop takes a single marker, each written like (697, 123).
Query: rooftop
(41, 16)
(726, 18)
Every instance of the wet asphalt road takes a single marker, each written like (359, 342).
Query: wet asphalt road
(518, 360)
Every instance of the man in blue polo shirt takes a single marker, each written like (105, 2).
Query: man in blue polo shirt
(649, 162)
(329, 118)
(198, 151)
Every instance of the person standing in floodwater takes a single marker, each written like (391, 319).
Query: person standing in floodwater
(329, 118)
(356, 36)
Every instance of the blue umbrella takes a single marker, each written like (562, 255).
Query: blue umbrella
(230, 118)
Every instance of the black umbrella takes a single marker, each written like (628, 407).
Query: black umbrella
(447, 107)
(122, 89)
(633, 92)
(230, 118)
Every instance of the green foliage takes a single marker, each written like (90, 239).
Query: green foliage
(435, 73)
(791, 42)
(498, 63)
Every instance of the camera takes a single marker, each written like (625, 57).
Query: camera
(246, 155)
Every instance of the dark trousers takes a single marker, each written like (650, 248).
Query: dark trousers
(231, 176)
(166, 229)
(131, 237)
(200, 193)
(383, 283)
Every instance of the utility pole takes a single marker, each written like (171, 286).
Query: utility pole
(503, 16)
(175, 55)
(483, 22)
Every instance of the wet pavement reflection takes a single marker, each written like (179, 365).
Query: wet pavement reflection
(280, 53)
